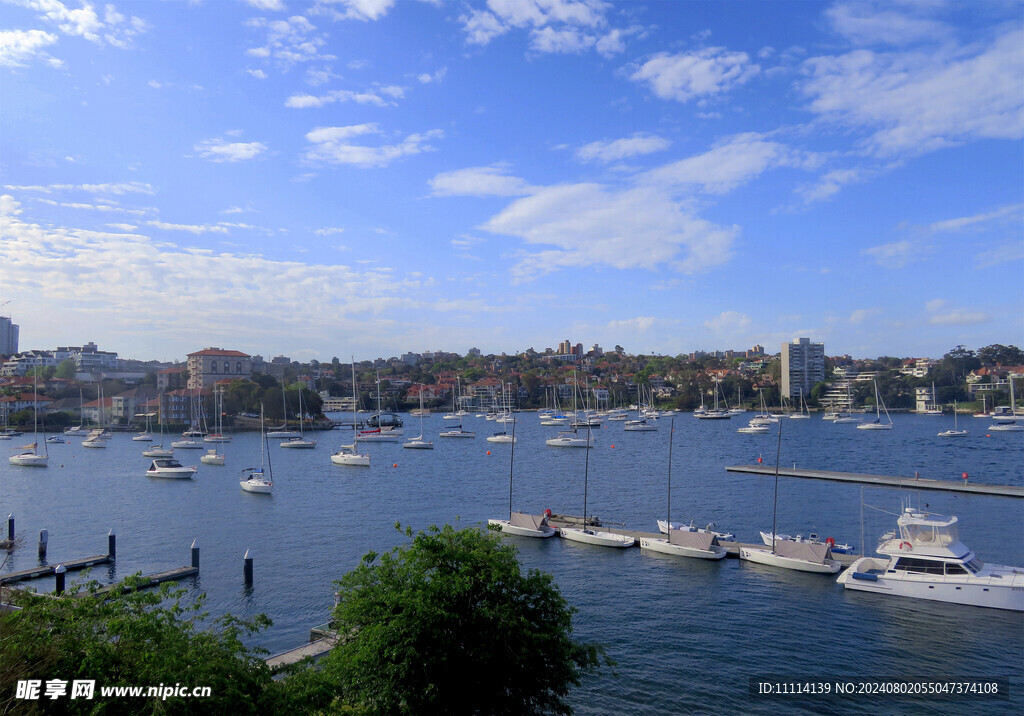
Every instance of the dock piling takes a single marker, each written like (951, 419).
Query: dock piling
(44, 537)
(112, 543)
(60, 573)
(195, 553)
(10, 527)
(247, 568)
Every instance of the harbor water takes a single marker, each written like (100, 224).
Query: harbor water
(686, 635)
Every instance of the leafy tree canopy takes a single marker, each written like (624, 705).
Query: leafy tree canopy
(450, 624)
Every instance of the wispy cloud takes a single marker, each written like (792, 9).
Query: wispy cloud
(365, 10)
(893, 255)
(190, 228)
(614, 150)
(333, 145)
(220, 150)
(698, 74)
(911, 103)
(728, 323)
(943, 314)
(478, 181)
(305, 101)
(869, 23)
(109, 28)
(1013, 211)
(19, 47)
(289, 42)
(117, 188)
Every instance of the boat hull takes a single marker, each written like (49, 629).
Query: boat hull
(952, 590)
(29, 460)
(764, 556)
(509, 529)
(260, 488)
(351, 459)
(676, 550)
(185, 474)
(602, 539)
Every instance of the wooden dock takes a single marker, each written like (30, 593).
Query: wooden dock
(146, 581)
(36, 572)
(314, 649)
(906, 483)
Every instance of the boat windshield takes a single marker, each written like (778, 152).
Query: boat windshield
(930, 534)
(975, 565)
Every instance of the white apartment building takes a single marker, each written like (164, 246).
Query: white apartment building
(803, 365)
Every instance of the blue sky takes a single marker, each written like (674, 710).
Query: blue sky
(329, 178)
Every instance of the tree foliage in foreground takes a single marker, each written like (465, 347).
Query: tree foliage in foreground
(450, 624)
(135, 638)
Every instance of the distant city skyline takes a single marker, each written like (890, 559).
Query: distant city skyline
(366, 177)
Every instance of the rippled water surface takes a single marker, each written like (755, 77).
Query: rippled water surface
(686, 634)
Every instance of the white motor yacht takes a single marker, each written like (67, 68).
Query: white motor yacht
(925, 559)
(169, 467)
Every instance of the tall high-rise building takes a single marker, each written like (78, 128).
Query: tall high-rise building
(8, 336)
(803, 365)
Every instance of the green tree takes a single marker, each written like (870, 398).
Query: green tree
(66, 370)
(134, 638)
(450, 624)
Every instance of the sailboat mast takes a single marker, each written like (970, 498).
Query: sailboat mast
(586, 475)
(775, 502)
(511, 459)
(668, 515)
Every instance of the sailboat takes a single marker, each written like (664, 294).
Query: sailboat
(1012, 426)
(457, 432)
(259, 479)
(800, 556)
(159, 450)
(520, 523)
(80, 429)
(739, 409)
(145, 436)
(934, 408)
(571, 438)
(804, 414)
(877, 423)
(715, 413)
(299, 441)
(384, 427)
(219, 436)
(984, 409)
(284, 431)
(955, 432)
(187, 443)
(591, 536)
(31, 457)
(503, 436)
(418, 443)
(640, 424)
(347, 454)
(682, 542)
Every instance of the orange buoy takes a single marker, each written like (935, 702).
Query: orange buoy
(395, 465)
(488, 452)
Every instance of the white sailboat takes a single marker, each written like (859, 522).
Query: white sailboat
(30, 456)
(521, 524)
(503, 436)
(145, 436)
(159, 450)
(347, 454)
(641, 424)
(219, 436)
(284, 431)
(1009, 427)
(381, 431)
(586, 534)
(715, 413)
(418, 443)
(800, 556)
(955, 432)
(300, 441)
(682, 543)
(804, 414)
(457, 432)
(877, 423)
(259, 479)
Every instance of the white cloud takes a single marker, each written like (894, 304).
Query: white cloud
(18, 47)
(972, 221)
(365, 10)
(639, 324)
(610, 151)
(112, 29)
(219, 150)
(554, 26)
(437, 76)
(269, 5)
(478, 181)
(729, 164)
(859, 316)
(190, 228)
(728, 323)
(593, 225)
(117, 188)
(916, 102)
(893, 255)
(830, 183)
(1002, 254)
(258, 74)
(331, 145)
(305, 101)
(123, 227)
(867, 23)
(328, 231)
(945, 315)
(702, 73)
(289, 42)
